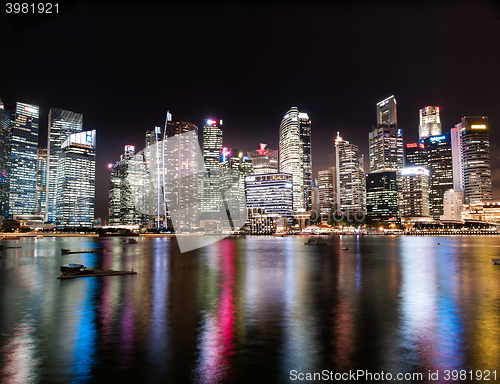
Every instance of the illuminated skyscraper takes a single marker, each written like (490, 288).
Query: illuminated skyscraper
(41, 182)
(415, 192)
(382, 196)
(471, 158)
(416, 155)
(387, 112)
(23, 159)
(210, 202)
(61, 124)
(386, 149)
(430, 122)
(295, 155)
(326, 193)
(264, 160)
(76, 181)
(439, 163)
(5, 148)
(350, 179)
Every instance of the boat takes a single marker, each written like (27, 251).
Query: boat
(71, 271)
(11, 238)
(315, 242)
(495, 261)
(344, 248)
(69, 251)
(129, 241)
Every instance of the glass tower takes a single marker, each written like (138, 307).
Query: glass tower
(5, 147)
(76, 181)
(210, 187)
(23, 159)
(430, 122)
(41, 181)
(61, 124)
(295, 156)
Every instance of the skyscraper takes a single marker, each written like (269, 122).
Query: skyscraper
(61, 124)
(382, 196)
(471, 155)
(76, 181)
(387, 111)
(5, 148)
(326, 192)
(430, 122)
(416, 155)
(386, 148)
(415, 192)
(439, 163)
(264, 160)
(23, 159)
(295, 155)
(41, 182)
(350, 179)
(210, 208)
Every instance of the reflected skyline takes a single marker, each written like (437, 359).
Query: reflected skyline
(214, 314)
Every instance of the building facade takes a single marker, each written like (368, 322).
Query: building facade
(430, 122)
(23, 159)
(326, 193)
(453, 202)
(264, 160)
(350, 179)
(295, 156)
(76, 181)
(415, 190)
(5, 149)
(386, 149)
(387, 111)
(41, 182)
(62, 124)
(210, 202)
(382, 196)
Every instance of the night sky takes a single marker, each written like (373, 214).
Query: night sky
(123, 65)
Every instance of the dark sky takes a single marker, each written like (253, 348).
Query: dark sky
(123, 65)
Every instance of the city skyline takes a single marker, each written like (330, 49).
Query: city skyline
(336, 84)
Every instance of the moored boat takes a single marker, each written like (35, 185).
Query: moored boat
(315, 242)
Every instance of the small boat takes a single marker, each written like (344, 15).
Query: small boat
(495, 261)
(315, 242)
(11, 238)
(69, 251)
(344, 248)
(73, 269)
(129, 241)
(70, 271)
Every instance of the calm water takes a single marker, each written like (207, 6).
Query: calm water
(249, 310)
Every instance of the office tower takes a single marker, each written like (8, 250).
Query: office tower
(382, 196)
(439, 163)
(76, 181)
(415, 192)
(315, 200)
(264, 160)
(5, 148)
(295, 155)
(430, 122)
(61, 124)
(41, 182)
(234, 168)
(386, 148)
(181, 170)
(23, 159)
(350, 179)
(210, 208)
(270, 194)
(387, 112)
(326, 193)
(114, 200)
(471, 155)
(452, 205)
(416, 155)
(456, 158)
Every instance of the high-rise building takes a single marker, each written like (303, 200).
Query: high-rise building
(23, 159)
(453, 202)
(270, 194)
(210, 202)
(382, 196)
(264, 160)
(415, 192)
(430, 122)
(387, 112)
(350, 179)
(61, 124)
(416, 155)
(473, 150)
(41, 182)
(326, 193)
(386, 148)
(439, 163)
(76, 181)
(5, 148)
(181, 169)
(295, 155)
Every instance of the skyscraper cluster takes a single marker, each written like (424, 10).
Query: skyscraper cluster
(55, 185)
